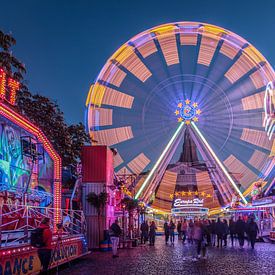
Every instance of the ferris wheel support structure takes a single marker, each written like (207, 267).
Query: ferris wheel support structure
(218, 162)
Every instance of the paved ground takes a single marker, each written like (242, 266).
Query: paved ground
(168, 259)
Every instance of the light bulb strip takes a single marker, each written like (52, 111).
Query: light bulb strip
(160, 159)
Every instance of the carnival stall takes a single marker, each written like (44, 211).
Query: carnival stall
(30, 190)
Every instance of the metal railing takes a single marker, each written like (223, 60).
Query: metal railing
(17, 222)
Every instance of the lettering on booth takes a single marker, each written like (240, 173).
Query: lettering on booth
(8, 87)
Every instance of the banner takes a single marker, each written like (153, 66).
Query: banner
(24, 259)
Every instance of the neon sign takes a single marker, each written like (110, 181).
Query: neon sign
(269, 108)
(190, 202)
(190, 211)
(8, 87)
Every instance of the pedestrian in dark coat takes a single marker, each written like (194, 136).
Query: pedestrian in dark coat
(213, 232)
(45, 252)
(152, 233)
(225, 231)
(252, 231)
(240, 230)
(144, 228)
(166, 232)
(179, 230)
(232, 230)
(172, 231)
(220, 232)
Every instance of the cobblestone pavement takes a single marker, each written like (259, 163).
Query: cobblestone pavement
(168, 259)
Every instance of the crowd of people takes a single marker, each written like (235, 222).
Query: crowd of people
(199, 234)
(204, 233)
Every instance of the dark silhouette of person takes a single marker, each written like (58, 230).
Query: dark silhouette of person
(45, 252)
(252, 231)
(144, 228)
(219, 228)
(166, 232)
(152, 233)
(240, 230)
(232, 230)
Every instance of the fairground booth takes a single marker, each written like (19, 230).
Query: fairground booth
(30, 189)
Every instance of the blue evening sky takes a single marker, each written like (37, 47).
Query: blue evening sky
(64, 44)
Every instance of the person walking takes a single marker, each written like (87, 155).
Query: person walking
(232, 230)
(225, 231)
(220, 232)
(114, 232)
(152, 233)
(197, 237)
(213, 232)
(184, 228)
(166, 232)
(45, 250)
(240, 229)
(252, 231)
(172, 231)
(190, 231)
(179, 230)
(144, 228)
(207, 224)
(206, 240)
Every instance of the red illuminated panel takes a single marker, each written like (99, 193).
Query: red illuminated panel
(162, 205)
(138, 164)
(258, 138)
(188, 39)
(236, 166)
(169, 48)
(254, 54)
(207, 49)
(95, 163)
(229, 49)
(253, 101)
(124, 171)
(100, 117)
(128, 58)
(115, 98)
(113, 136)
(167, 186)
(258, 159)
(2, 84)
(205, 186)
(14, 87)
(140, 182)
(117, 160)
(248, 60)
(113, 75)
(262, 76)
(104, 95)
(239, 68)
(253, 120)
(147, 48)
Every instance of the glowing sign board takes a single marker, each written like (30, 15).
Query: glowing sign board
(190, 211)
(8, 87)
(189, 202)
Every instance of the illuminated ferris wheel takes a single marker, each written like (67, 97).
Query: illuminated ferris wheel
(178, 74)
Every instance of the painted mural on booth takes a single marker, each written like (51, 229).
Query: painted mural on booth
(18, 171)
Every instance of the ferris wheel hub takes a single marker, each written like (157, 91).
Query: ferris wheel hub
(187, 111)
